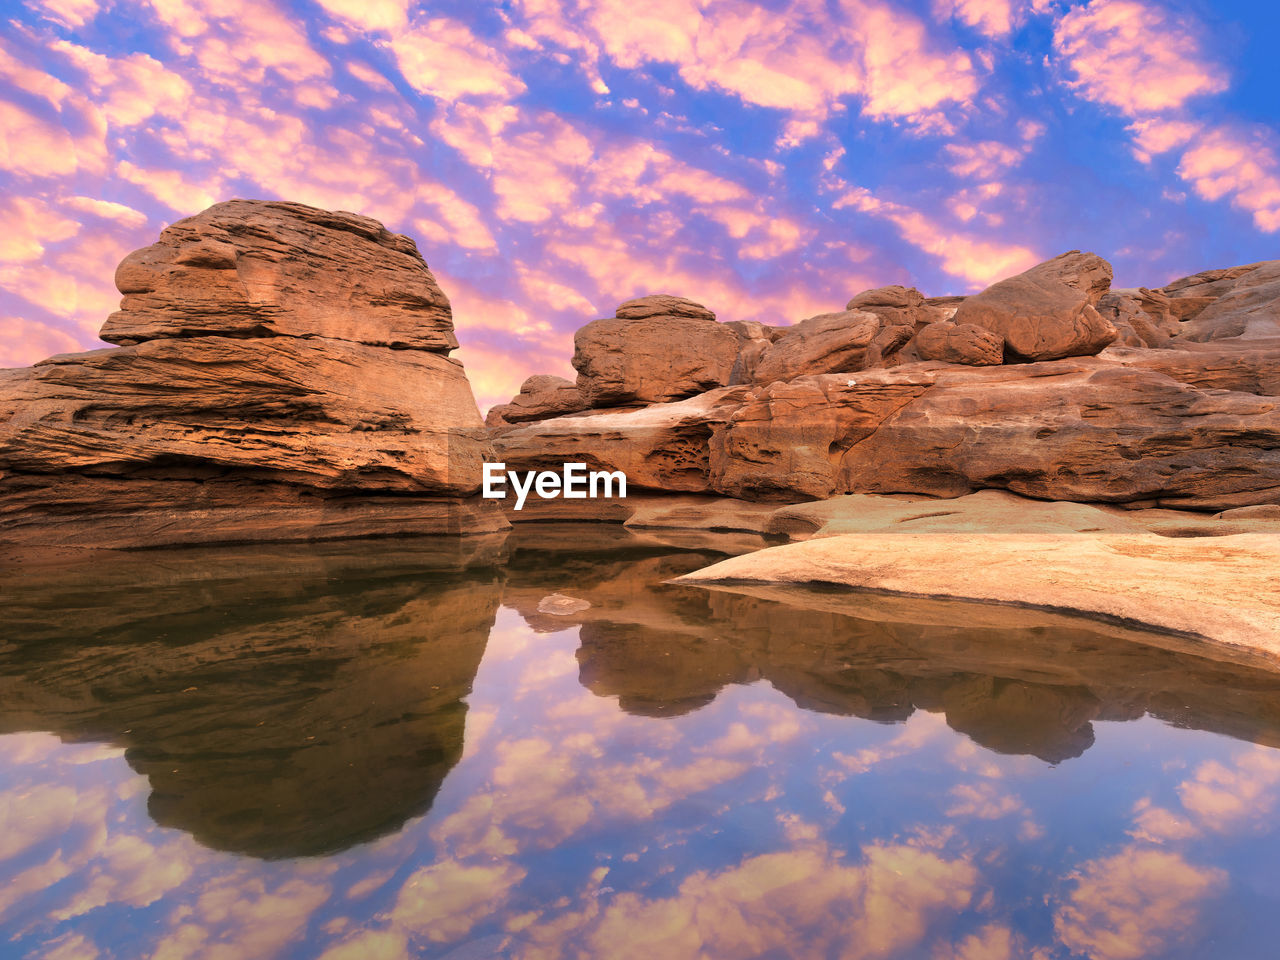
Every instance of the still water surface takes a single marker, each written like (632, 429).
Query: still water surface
(383, 749)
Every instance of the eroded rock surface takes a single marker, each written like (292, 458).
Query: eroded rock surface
(1048, 312)
(249, 268)
(540, 397)
(650, 357)
(298, 422)
(960, 343)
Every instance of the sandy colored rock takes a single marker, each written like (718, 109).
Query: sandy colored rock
(1247, 306)
(540, 396)
(659, 447)
(662, 305)
(896, 305)
(322, 413)
(652, 360)
(1048, 312)
(1080, 430)
(301, 423)
(829, 343)
(963, 343)
(1221, 590)
(1142, 317)
(754, 338)
(252, 268)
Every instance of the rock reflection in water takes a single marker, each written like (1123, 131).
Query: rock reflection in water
(282, 701)
(1016, 681)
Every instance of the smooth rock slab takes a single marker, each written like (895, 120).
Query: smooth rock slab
(251, 268)
(1222, 590)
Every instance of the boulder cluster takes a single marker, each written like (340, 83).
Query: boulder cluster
(283, 373)
(1050, 384)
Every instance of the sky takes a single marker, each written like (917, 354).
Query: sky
(769, 159)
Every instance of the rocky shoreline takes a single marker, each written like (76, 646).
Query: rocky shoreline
(282, 373)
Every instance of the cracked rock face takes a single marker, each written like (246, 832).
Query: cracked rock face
(284, 376)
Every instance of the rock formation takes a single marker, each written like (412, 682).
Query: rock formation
(256, 395)
(1048, 312)
(1014, 388)
(656, 349)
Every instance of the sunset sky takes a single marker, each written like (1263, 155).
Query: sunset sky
(769, 159)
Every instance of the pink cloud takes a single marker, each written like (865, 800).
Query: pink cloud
(69, 13)
(24, 342)
(29, 225)
(1243, 165)
(1135, 57)
(35, 147)
(993, 18)
(444, 59)
(978, 261)
(984, 160)
(370, 15)
(802, 59)
(127, 89)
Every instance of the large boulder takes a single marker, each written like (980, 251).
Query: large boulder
(662, 305)
(1048, 312)
(276, 432)
(248, 268)
(896, 305)
(960, 343)
(1245, 304)
(844, 342)
(652, 358)
(540, 396)
(1142, 317)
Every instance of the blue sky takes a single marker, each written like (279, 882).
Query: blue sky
(552, 159)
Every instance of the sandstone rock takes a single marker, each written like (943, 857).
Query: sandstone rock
(662, 305)
(1048, 312)
(540, 396)
(1082, 430)
(248, 268)
(1210, 283)
(828, 343)
(1245, 366)
(1247, 306)
(753, 339)
(660, 447)
(1142, 317)
(293, 434)
(652, 359)
(896, 305)
(964, 343)
(1219, 591)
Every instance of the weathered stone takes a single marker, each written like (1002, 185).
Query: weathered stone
(963, 343)
(1083, 430)
(1142, 317)
(652, 360)
(1247, 306)
(753, 339)
(1048, 312)
(291, 428)
(843, 342)
(249, 268)
(660, 447)
(895, 305)
(662, 305)
(540, 396)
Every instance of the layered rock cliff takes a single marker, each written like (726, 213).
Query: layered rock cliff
(283, 374)
(1049, 384)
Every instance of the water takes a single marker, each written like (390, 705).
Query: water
(383, 749)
